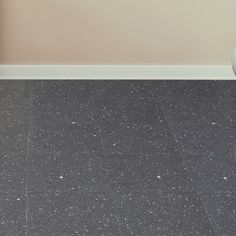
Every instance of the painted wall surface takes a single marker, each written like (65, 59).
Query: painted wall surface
(117, 31)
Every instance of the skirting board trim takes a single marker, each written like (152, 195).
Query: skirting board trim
(171, 72)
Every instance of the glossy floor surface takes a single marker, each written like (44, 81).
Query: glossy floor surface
(117, 158)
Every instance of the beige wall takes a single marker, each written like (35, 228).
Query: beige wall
(117, 31)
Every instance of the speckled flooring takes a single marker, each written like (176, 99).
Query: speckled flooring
(117, 158)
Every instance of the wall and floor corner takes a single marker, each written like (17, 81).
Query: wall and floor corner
(114, 157)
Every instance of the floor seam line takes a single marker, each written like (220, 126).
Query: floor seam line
(29, 121)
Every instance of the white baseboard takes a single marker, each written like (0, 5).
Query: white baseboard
(180, 72)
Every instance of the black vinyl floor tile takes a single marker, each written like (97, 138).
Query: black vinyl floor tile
(128, 89)
(13, 180)
(117, 158)
(12, 212)
(140, 111)
(205, 132)
(14, 105)
(116, 213)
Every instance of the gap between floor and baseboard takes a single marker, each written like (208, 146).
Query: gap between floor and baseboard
(180, 72)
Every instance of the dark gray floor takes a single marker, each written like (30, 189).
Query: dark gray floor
(120, 158)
